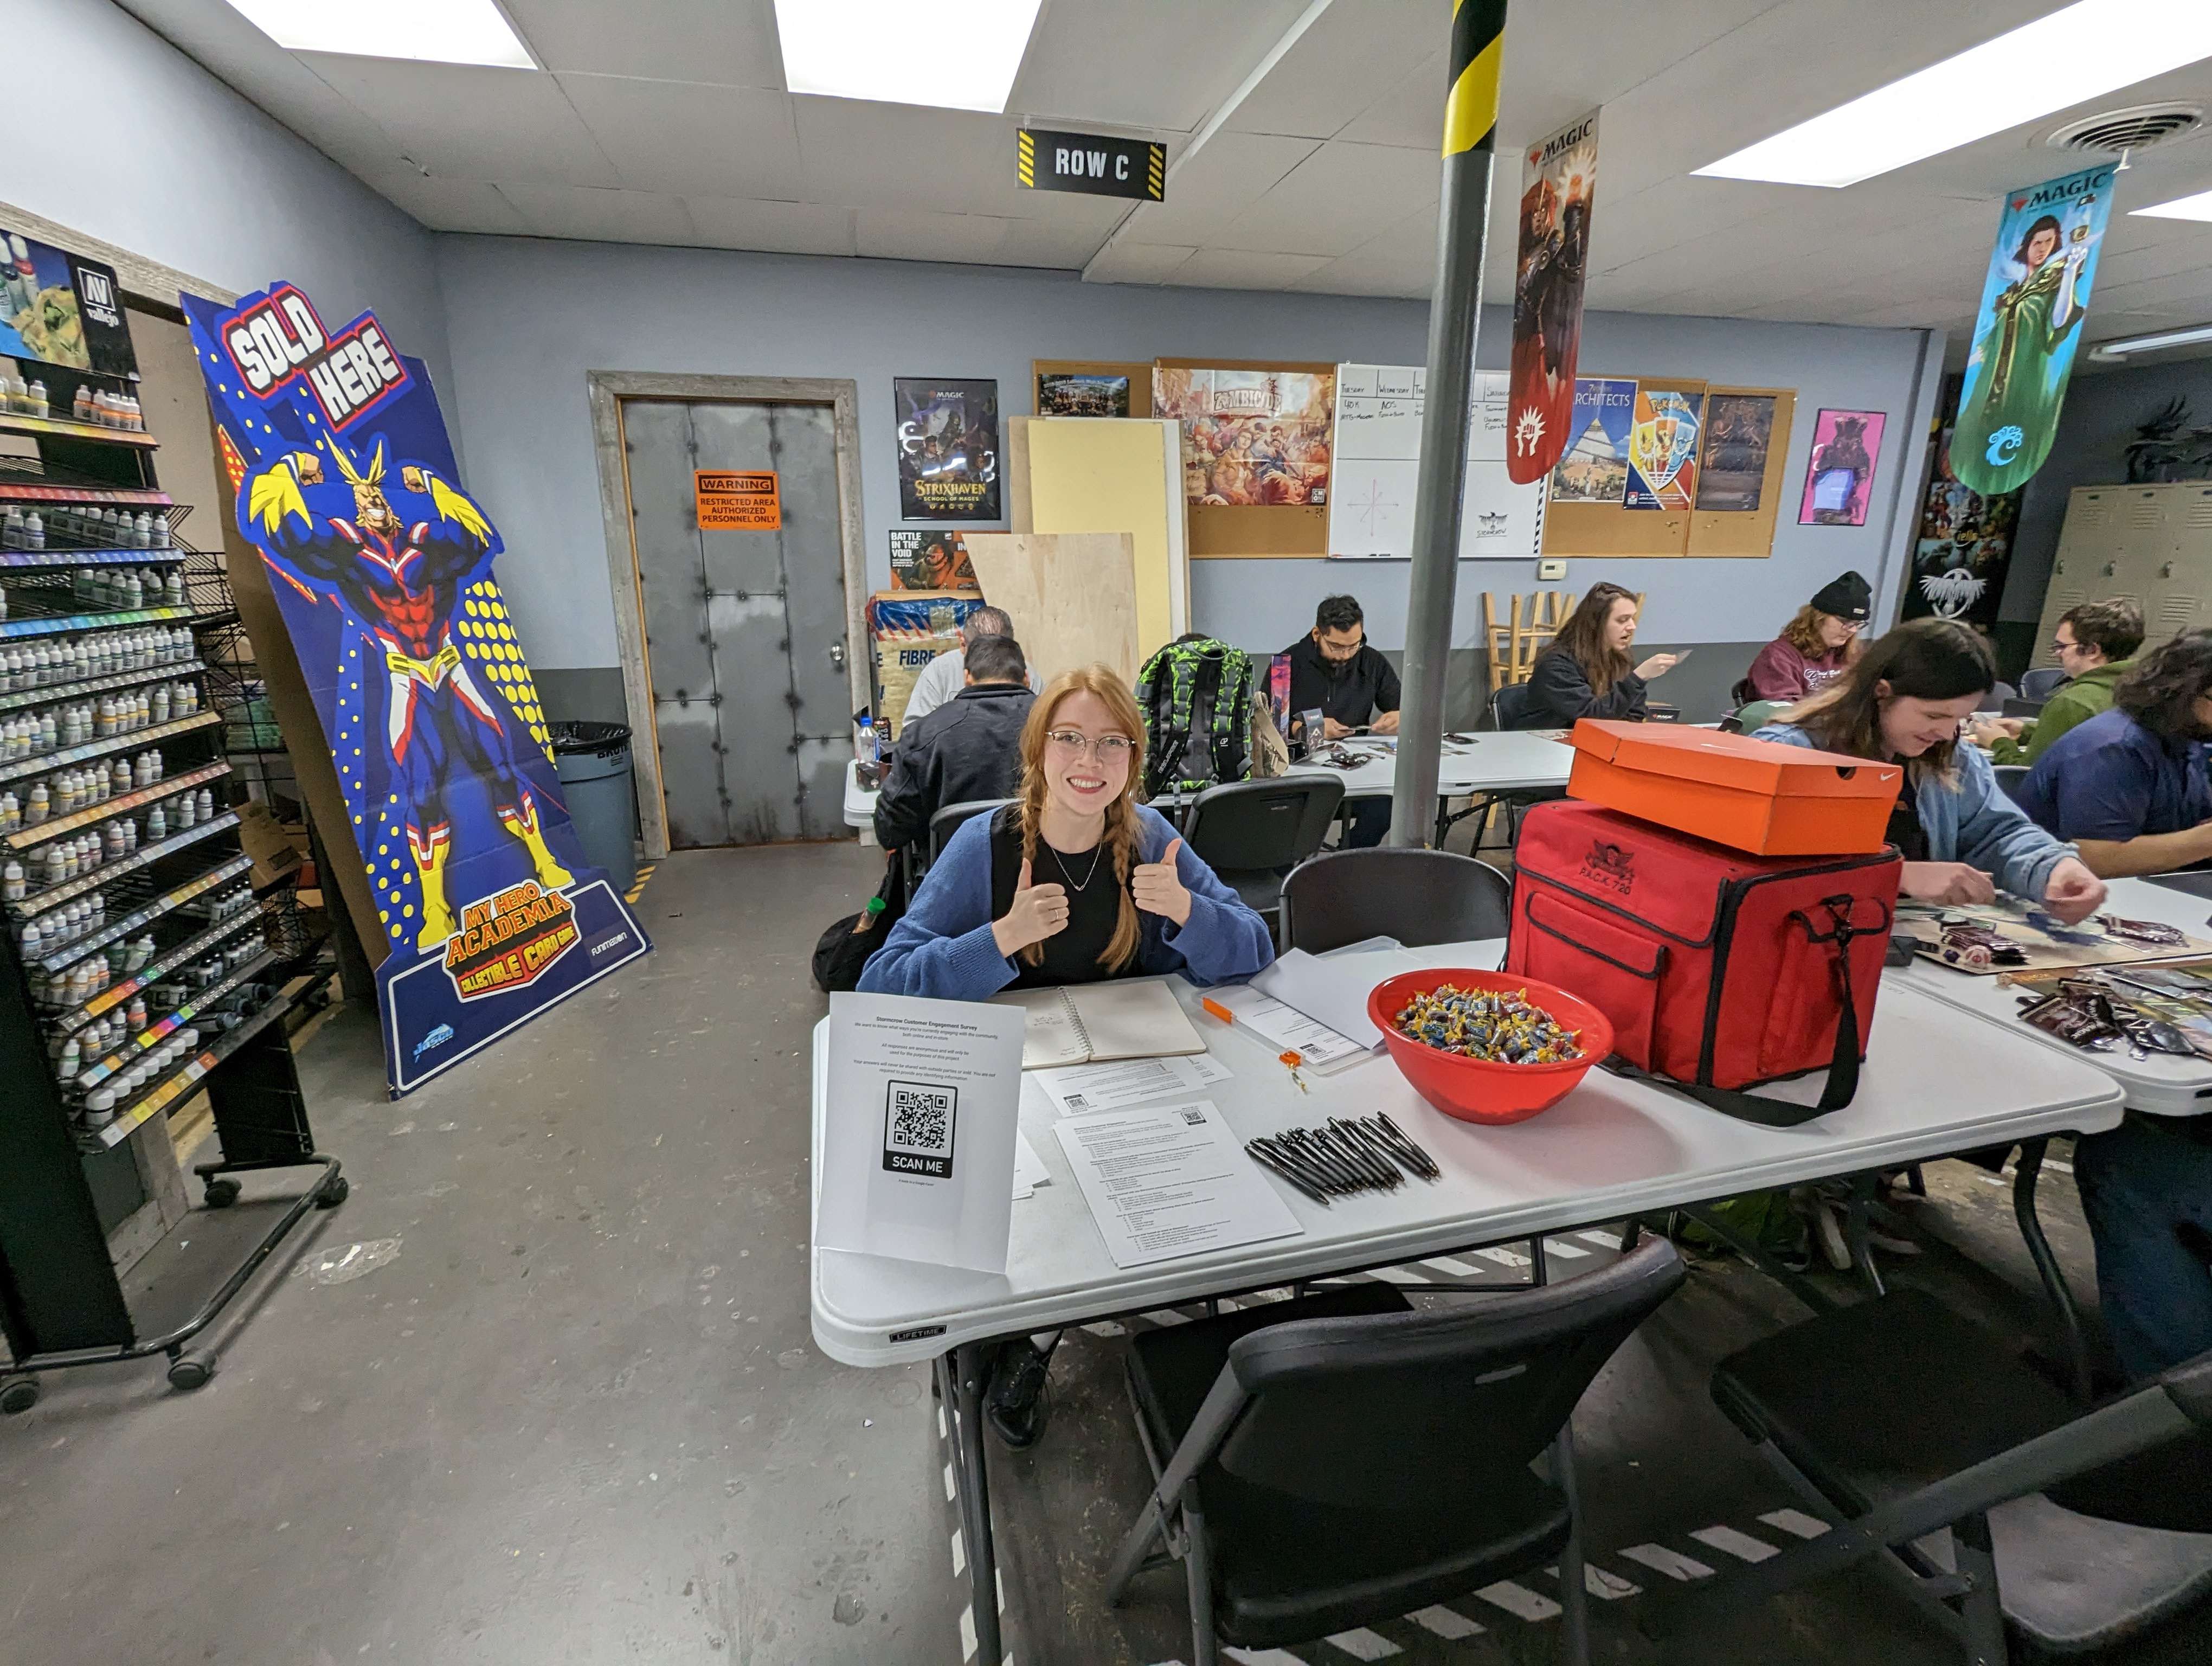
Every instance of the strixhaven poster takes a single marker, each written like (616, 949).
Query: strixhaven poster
(948, 449)
(381, 565)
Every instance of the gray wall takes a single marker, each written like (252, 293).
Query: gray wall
(527, 318)
(119, 135)
(2102, 411)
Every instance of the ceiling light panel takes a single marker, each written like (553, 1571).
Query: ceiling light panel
(2198, 207)
(428, 31)
(2078, 53)
(897, 51)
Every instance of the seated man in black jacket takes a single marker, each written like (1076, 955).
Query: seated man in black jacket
(1337, 672)
(969, 748)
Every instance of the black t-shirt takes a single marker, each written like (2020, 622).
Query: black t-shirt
(1070, 954)
(1905, 831)
(1352, 694)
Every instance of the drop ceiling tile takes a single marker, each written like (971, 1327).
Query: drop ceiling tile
(1351, 55)
(446, 204)
(464, 122)
(909, 234)
(604, 216)
(1136, 263)
(690, 138)
(1236, 269)
(730, 42)
(1410, 114)
(776, 227)
(1155, 63)
(1039, 243)
(1232, 172)
(1335, 200)
(900, 155)
(1366, 274)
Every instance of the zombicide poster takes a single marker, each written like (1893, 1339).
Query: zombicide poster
(1559, 191)
(381, 565)
(948, 449)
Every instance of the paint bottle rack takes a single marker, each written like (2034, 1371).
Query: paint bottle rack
(175, 917)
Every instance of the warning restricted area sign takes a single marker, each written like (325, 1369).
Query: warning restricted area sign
(732, 501)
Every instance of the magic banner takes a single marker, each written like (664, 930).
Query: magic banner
(2033, 300)
(381, 565)
(1551, 264)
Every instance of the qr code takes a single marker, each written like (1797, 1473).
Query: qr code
(1195, 1118)
(1077, 1102)
(918, 1124)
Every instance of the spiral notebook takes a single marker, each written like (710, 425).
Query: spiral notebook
(1098, 1022)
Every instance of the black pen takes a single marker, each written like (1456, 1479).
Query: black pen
(1421, 1163)
(1301, 1141)
(1374, 1141)
(1384, 1174)
(1283, 1170)
(1290, 1159)
(1399, 1136)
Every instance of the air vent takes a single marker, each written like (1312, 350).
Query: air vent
(2137, 128)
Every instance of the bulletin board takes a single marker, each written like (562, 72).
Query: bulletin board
(1741, 532)
(1256, 531)
(1067, 474)
(1611, 529)
(1139, 373)
(1072, 596)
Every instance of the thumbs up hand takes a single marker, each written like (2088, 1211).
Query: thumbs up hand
(1036, 912)
(1159, 889)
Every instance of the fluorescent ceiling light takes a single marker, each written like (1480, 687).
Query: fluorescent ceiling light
(902, 52)
(2078, 53)
(2122, 346)
(430, 31)
(2198, 207)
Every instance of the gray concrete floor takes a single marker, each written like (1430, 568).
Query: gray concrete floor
(577, 1416)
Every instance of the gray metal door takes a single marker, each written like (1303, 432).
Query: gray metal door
(745, 631)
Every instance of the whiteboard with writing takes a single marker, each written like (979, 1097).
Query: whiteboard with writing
(1375, 459)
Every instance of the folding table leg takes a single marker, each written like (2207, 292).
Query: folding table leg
(966, 1366)
(1855, 1225)
(2025, 1175)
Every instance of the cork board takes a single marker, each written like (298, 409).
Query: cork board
(1745, 533)
(1070, 474)
(1072, 596)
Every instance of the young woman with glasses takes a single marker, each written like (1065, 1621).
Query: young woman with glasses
(1075, 881)
(1072, 883)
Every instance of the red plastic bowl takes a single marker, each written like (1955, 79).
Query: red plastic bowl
(1477, 1090)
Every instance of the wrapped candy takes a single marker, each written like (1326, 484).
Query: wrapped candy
(1501, 1027)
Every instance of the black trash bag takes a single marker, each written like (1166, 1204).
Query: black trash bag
(842, 951)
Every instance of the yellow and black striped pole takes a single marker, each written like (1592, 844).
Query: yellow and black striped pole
(1470, 138)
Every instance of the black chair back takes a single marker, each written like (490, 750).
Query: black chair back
(1404, 1411)
(1510, 707)
(946, 822)
(2041, 682)
(1251, 826)
(1994, 701)
(1418, 896)
(2010, 775)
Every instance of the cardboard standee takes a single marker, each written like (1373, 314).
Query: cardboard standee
(1072, 596)
(380, 568)
(1092, 474)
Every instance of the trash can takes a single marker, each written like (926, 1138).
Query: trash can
(593, 759)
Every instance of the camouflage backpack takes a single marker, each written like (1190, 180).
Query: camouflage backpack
(1197, 695)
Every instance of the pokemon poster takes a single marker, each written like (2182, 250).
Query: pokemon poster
(1663, 450)
(1550, 267)
(381, 565)
(2033, 300)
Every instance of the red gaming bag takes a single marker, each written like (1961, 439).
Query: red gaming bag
(1720, 970)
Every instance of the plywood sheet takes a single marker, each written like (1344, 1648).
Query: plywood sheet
(1072, 596)
(1106, 475)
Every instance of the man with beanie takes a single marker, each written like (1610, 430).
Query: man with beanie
(1815, 646)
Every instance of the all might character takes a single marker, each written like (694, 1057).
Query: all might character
(398, 560)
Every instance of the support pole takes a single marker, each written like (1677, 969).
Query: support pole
(1470, 137)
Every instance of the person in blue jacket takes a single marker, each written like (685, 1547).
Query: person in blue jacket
(1072, 883)
(1075, 881)
(1962, 838)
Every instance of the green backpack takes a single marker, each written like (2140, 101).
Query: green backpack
(1196, 697)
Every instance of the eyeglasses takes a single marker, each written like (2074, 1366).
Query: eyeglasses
(2057, 646)
(1108, 749)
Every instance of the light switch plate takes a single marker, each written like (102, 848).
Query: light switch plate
(1551, 569)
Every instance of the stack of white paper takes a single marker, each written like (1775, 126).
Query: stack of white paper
(1170, 1181)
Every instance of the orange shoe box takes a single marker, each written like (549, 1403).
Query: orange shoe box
(1755, 795)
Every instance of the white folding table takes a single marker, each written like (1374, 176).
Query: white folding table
(1615, 1147)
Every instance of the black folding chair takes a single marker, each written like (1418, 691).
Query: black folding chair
(1416, 896)
(2041, 682)
(1251, 833)
(1896, 1419)
(1509, 708)
(2009, 777)
(1344, 1459)
(942, 826)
